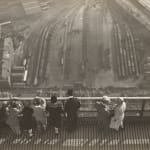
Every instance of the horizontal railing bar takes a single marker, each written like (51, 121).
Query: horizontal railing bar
(79, 98)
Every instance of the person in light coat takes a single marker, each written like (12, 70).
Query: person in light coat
(39, 113)
(119, 113)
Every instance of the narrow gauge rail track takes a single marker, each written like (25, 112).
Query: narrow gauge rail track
(69, 21)
(84, 42)
(85, 59)
(33, 54)
(125, 58)
(38, 61)
(127, 62)
(117, 47)
(130, 39)
(67, 49)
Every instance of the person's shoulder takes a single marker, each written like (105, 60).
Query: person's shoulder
(59, 104)
(55, 105)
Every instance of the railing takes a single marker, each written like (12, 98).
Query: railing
(136, 106)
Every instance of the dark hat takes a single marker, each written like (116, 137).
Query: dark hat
(53, 99)
(13, 105)
(37, 101)
(70, 92)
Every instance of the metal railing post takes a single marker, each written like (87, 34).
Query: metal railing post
(142, 108)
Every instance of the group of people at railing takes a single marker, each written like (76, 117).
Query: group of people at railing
(38, 115)
(111, 114)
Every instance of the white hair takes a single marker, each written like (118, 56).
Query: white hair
(106, 98)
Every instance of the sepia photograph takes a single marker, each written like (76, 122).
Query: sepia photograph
(74, 74)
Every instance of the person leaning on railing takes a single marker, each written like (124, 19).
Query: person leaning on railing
(119, 113)
(12, 118)
(39, 112)
(27, 121)
(55, 111)
(103, 112)
(71, 108)
(3, 115)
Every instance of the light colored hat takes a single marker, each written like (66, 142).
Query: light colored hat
(106, 98)
(121, 98)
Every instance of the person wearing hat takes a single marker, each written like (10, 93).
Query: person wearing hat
(3, 115)
(12, 119)
(28, 121)
(71, 108)
(106, 99)
(39, 113)
(119, 113)
(103, 112)
(55, 111)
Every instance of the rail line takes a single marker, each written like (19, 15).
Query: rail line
(126, 56)
(71, 52)
(39, 56)
(86, 57)
(68, 44)
(84, 43)
(67, 22)
(34, 54)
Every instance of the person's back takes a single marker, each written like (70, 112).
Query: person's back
(55, 110)
(12, 119)
(28, 121)
(72, 105)
(102, 111)
(103, 115)
(71, 108)
(13, 116)
(3, 117)
(3, 114)
(27, 113)
(39, 108)
(39, 113)
(119, 112)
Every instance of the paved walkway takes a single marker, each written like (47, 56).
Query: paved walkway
(135, 136)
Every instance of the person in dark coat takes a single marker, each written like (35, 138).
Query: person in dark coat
(71, 108)
(103, 113)
(28, 121)
(55, 114)
(3, 116)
